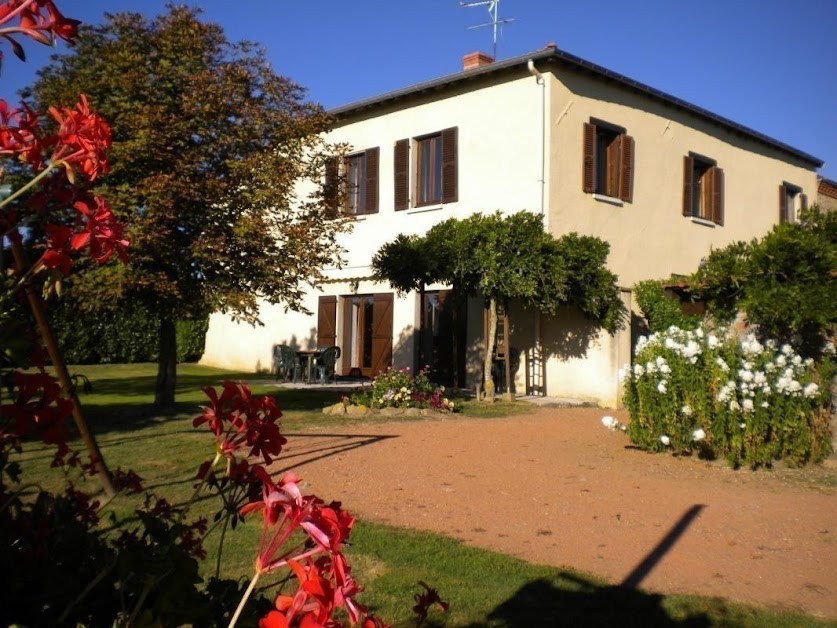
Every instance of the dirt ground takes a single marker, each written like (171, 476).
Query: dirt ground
(557, 488)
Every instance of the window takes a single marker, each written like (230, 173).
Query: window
(434, 171)
(608, 164)
(703, 189)
(353, 185)
(791, 202)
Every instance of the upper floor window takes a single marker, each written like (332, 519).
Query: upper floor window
(791, 202)
(703, 189)
(352, 186)
(434, 170)
(608, 163)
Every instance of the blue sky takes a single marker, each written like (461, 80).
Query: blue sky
(767, 64)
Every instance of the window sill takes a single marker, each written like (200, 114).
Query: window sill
(608, 199)
(421, 210)
(703, 221)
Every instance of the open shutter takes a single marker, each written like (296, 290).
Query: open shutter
(717, 209)
(372, 180)
(588, 165)
(783, 204)
(612, 168)
(331, 186)
(381, 332)
(450, 186)
(626, 168)
(348, 334)
(803, 201)
(327, 321)
(402, 174)
(688, 184)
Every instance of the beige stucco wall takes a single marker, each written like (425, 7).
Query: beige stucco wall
(649, 237)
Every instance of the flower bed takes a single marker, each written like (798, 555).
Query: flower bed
(727, 396)
(398, 388)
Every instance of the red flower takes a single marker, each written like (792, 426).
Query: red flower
(57, 254)
(102, 233)
(425, 600)
(82, 139)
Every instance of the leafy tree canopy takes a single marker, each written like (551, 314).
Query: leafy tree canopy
(786, 282)
(208, 144)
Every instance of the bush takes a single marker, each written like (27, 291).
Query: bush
(750, 402)
(660, 310)
(784, 282)
(127, 335)
(397, 388)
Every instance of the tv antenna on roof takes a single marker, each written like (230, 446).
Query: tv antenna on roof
(493, 6)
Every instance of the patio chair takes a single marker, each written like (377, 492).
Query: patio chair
(325, 364)
(285, 363)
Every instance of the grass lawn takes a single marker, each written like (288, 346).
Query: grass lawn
(484, 588)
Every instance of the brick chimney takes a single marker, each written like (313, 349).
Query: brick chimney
(476, 60)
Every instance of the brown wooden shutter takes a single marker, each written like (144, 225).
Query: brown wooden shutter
(327, 321)
(612, 168)
(381, 332)
(450, 187)
(688, 184)
(348, 333)
(588, 164)
(626, 169)
(372, 180)
(402, 174)
(803, 201)
(717, 201)
(783, 203)
(331, 186)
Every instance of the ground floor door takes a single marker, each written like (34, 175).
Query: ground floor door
(367, 333)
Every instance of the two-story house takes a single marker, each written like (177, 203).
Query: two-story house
(662, 180)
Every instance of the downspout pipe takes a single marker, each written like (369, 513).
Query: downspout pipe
(539, 387)
(542, 180)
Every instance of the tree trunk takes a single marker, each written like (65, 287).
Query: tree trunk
(490, 338)
(36, 305)
(507, 352)
(166, 364)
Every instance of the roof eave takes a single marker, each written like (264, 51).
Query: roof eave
(555, 55)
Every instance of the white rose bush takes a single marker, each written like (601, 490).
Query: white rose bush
(725, 395)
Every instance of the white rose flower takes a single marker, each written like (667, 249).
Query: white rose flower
(686, 410)
(665, 369)
(781, 360)
(787, 349)
(712, 341)
(638, 370)
(698, 434)
(764, 404)
(811, 390)
(661, 387)
(665, 440)
(742, 425)
(797, 360)
(609, 422)
(747, 405)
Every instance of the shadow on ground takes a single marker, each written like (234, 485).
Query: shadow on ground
(541, 604)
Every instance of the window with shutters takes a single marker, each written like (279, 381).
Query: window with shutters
(791, 202)
(608, 164)
(352, 186)
(433, 178)
(703, 189)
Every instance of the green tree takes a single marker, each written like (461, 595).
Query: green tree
(786, 282)
(208, 143)
(504, 258)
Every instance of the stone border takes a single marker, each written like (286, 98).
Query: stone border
(361, 410)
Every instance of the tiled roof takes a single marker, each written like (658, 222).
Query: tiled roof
(553, 55)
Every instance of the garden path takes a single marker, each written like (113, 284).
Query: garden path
(556, 487)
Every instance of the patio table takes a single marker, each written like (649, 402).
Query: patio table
(307, 358)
